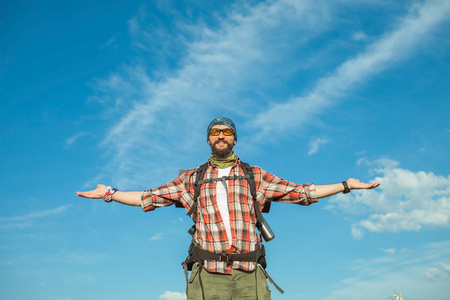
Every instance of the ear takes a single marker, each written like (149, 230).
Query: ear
(234, 142)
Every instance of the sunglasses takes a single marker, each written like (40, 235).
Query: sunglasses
(226, 131)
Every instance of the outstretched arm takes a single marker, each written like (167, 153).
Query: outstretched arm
(353, 184)
(132, 198)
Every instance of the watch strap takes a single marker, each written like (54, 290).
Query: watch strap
(346, 189)
(108, 193)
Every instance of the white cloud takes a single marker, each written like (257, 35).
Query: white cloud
(109, 43)
(445, 267)
(359, 36)
(315, 143)
(405, 201)
(85, 258)
(29, 219)
(357, 233)
(40, 214)
(71, 140)
(172, 296)
(393, 251)
(157, 237)
(432, 273)
(376, 277)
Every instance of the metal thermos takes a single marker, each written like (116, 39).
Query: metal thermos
(266, 231)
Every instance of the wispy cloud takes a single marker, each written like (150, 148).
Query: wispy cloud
(156, 237)
(393, 251)
(359, 36)
(391, 48)
(85, 258)
(445, 267)
(38, 214)
(29, 219)
(315, 143)
(71, 140)
(109, 43)
(432, 273)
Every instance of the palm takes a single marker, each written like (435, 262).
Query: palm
(356, 184)
(98, 193)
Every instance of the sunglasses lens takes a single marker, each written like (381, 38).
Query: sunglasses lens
(227, 132)
(215, 131)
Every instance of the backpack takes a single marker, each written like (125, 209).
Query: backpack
(262, 225)
(195, 254)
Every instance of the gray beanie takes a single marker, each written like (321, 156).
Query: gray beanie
(222, 121)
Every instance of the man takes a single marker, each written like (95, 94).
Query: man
(226, 254)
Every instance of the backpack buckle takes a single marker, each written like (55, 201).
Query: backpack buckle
(227, 258)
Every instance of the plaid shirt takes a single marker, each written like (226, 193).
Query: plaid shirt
(211, 234)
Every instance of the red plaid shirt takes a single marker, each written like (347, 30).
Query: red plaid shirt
(211, 234)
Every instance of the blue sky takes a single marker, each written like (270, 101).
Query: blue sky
(121, 92)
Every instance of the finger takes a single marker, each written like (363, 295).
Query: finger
(90, 194)
(82, 194)
(372, 185)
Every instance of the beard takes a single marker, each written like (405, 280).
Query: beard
(222, 152)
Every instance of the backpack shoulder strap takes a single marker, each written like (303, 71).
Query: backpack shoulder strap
(198, 182)
(251, 182)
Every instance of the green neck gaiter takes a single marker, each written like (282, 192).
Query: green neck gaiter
(223, 163)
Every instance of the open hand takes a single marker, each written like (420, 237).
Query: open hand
(355, 184)
(98, 193)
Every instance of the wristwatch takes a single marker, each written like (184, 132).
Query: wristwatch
(346, 189)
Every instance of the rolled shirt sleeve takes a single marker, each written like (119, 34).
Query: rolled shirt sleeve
(273, 188)
(179, 189)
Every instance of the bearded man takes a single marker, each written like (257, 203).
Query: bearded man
(225, 198)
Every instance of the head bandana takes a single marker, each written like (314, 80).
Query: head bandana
(222, 121)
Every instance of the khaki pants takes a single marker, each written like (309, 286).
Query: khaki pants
(240, 285)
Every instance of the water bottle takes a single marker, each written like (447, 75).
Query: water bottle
(266, 231)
